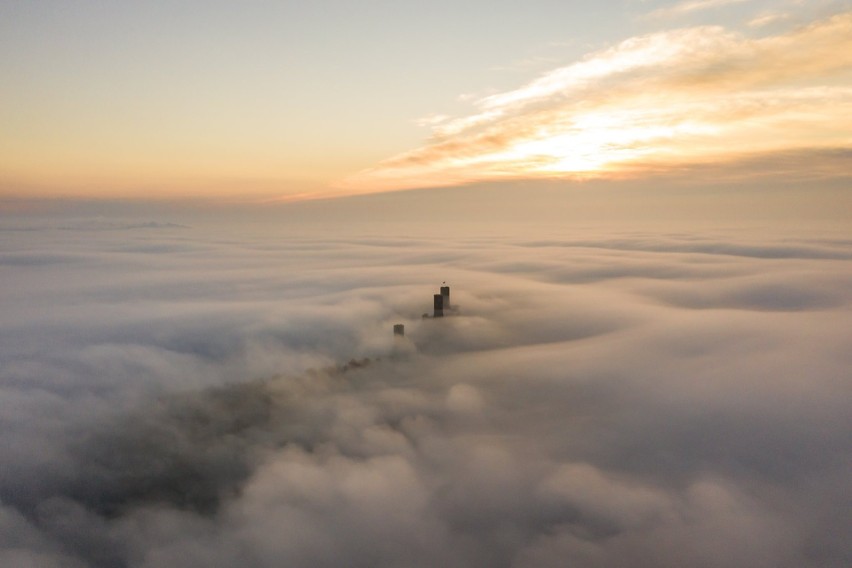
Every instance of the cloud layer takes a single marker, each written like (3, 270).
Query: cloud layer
(665, 101)
(176, 397)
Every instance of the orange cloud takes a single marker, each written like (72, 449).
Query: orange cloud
(651, 103)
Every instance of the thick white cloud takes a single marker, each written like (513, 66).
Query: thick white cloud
(179, 397)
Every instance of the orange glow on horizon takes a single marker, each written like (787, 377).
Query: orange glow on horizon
(654, 103)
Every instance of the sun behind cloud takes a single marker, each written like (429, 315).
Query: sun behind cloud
(668, 100)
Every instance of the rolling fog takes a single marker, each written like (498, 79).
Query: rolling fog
(177, 396)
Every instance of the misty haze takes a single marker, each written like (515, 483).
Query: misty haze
(458, 283)
(175, 395)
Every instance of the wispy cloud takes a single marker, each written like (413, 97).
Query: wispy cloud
(692, 6)
(767, 18)
(664, 100)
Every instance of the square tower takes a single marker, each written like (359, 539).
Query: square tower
(445, 293)
(439, 306)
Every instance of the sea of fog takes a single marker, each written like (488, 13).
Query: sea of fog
(174, 395)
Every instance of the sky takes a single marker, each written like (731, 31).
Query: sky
(280, 101)
(212, 214)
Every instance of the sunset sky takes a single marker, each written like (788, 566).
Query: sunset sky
(284, 100)
(214, 215)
